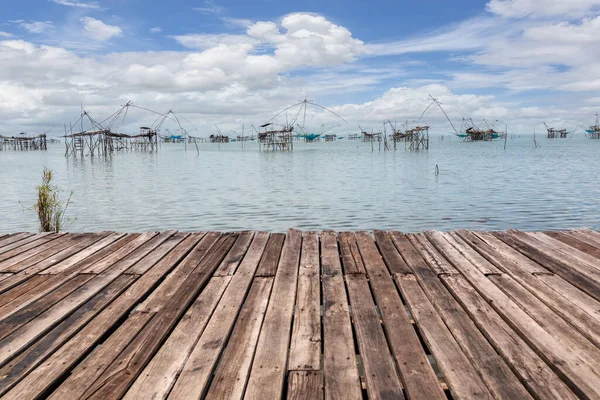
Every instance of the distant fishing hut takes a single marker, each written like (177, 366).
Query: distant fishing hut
(593, 132)
(218, 138)
(556, 133)
(271, 139)
(22, 142)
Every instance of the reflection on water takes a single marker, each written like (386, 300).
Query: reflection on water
(342, 186)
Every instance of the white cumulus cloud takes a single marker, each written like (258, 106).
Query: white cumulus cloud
(98, 30)
(541, 8)
(72, 3)
(37, 26)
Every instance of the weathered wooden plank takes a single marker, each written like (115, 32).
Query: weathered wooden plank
(339, 360)
(380, 374)
(53, 315)
(462, 248)
(5, 275)
(195, 365)
(585, 323)
(551, 321)
(429, 254)
(236, 254)
(149, 254)
(330, 257)
(172, 283)
(305, 347)
(15, 293)
(20, 239)
(571, 275)
(120, 374)
(573, 241)
(232, 373)
(156, 380)
(581, 377)
(533, 371)
(395, 263)
(16, 264)
(270, 259)
(482, 264)
(41, 261)
(45, 374)
(587, 236)
(305, 385)
(42, 251)
(584, 302)
(13, 237)
(466, 350)
(500, 253)
(569, 253)
(269, 366)
(102, 357)
(518, 264)
(351, 258)
(30, 248)
(554, 250)
(135, 251)
(23, 316)
(10, 304)
(416, 373)
(158, 376)
(52, 282)
(460, 375)
(82, 256)
(113, 254)
(17, 368)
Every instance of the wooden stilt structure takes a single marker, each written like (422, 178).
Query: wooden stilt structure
(22, 142)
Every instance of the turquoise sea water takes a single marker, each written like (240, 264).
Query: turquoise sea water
(344, 185)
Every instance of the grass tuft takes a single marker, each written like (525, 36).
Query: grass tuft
(50, 208)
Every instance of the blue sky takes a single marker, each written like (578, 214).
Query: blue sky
(235, 62)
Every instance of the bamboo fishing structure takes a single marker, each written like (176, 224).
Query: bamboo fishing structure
(271, 138)
(593, 132)
(371, 137)
(415, 138)
(556, 133)
(22, 142)
(101, 140)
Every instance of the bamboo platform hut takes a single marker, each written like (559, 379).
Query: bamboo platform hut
(282, 139)
(415, 138)
(331, 138)
(105, 142)
(22, 142)
(371, 137)
(271, 139)
(218, 138)
(473, 134)
(100, 138)
(354, 136)
(556, 133)
(593, 132)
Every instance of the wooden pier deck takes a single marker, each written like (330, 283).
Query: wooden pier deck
(302, 315)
